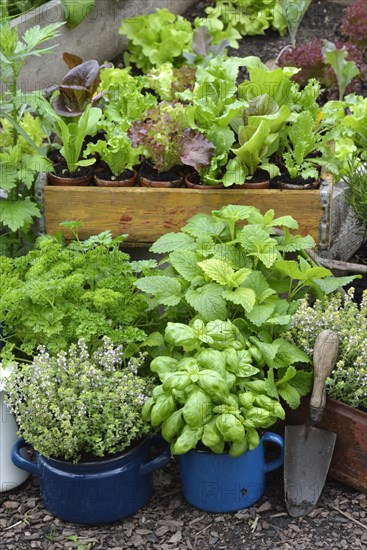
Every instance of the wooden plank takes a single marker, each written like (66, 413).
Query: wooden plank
(146, 214)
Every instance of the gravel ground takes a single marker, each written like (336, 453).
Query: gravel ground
(167, 522)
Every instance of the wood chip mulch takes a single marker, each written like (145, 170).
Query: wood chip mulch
(168, 522)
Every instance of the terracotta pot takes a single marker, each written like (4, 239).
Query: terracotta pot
(80, 181)
(129, 182)
(265, 184)
(189, 183)
(145, 182)
(349, 462)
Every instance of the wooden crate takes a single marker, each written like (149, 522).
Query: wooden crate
(146, 214)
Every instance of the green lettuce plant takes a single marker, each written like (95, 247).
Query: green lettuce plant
(212, 106)
(73, 134)
(219, 388)
(125, 98)
(117, 153)
(344, 70)
(156, 38)
(75, 403)
(293, 12)
(303, 139)
(249, 17)
(163, 37)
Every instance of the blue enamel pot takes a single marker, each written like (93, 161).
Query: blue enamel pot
(95, 492)
(221, 483)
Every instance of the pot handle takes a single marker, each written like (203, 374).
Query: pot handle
(21, 462)
(160, 460)
(278, 440)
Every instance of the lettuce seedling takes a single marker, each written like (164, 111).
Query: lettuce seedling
(344, 70)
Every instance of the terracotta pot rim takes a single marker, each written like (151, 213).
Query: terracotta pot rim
(128, 182)
(146, 182)
(53, 179)
(200, 186)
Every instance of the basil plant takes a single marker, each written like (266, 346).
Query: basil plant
(219, 389)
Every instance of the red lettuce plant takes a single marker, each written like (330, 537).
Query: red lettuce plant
(309, 58)
(354, 24)
(167, 140)
(78, 88)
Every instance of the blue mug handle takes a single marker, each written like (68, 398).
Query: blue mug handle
(23, 463)
(160, 460)
(278, 440)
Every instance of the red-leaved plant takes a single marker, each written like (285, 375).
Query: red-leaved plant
(354, 24)
(309, 58)
(168, 141)
(78, 88)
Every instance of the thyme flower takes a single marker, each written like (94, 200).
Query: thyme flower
(73, 403)
(348, 381)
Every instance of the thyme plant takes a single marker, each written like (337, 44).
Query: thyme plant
(348, 382)
(77, 403)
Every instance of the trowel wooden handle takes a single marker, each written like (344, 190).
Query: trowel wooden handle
(324, 358)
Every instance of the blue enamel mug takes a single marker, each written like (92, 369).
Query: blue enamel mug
(221, 483)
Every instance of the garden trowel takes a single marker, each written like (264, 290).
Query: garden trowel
(308, 450)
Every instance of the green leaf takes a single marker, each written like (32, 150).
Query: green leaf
(302, 382)
(208, 301)
(213, 384)
(260, 313)
(238, 447)
(170, 242)
(16, 215)
(177, 380)
(166, 290)
(288, 354)
(289, 268)
(234, 212)
(211, 436)
(77, 10)
(185, 264)
(290, 395)
(203, 224)
(178, 334)
(172, 425)
(155, 339)
(269, 351)
(163, 366)
(218, 270)
(331, 284)
(230, 427)
(162, 409)
(294, 243)
(244, 297)
(279, 320)
(198, 409)
(187, 440)
(259, 285)
(285, 221)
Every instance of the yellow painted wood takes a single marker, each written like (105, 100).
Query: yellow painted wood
(146, 214)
